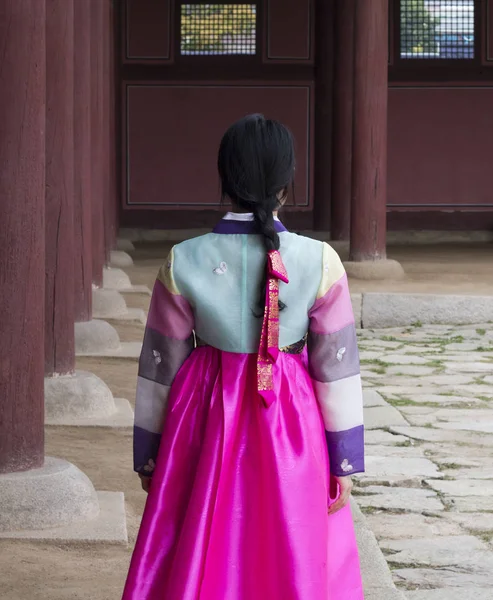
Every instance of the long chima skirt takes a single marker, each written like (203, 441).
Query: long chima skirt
(238, 503)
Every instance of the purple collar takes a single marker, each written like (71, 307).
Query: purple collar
(242, 227)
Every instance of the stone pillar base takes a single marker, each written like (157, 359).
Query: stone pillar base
(95, 336)
(59, 502)
(111, 306)
(375, 270)
(81, 394)
(124, 245)
(120, 260)
(115, 279)
(57, 494)
(108, 304)
(84, 399)
(127, 351)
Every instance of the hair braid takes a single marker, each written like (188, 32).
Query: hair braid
(256, 165)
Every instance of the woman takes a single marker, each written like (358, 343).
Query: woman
(244, 437)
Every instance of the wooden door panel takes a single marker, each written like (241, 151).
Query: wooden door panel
(147, 31)
(171, 146)
(289, 30)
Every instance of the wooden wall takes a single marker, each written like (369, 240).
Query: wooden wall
(440, 147)
(175, 109)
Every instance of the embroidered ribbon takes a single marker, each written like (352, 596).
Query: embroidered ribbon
(269, 340)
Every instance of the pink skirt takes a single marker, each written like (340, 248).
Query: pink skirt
(238, 502)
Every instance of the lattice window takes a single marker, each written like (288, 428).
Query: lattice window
(218, 29)
(437, 29)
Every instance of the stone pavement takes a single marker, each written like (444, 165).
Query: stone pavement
(428, 490)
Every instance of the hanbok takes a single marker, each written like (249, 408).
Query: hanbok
(241, 416)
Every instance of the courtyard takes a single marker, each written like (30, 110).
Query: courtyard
(111, 116)
(426, 496)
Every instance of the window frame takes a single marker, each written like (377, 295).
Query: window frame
(219, 59)
(438, 69)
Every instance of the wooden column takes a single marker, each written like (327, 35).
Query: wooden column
(368, 210)
(108, 206)
(343, 120)
(97, 141)
(82, 162)
(22, 233)
(324, 72)
(59, 294)
(114, 187)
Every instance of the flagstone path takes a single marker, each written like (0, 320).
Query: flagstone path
(428, 489)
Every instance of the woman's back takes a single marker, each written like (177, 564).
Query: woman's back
(220, 276)
(249, 407)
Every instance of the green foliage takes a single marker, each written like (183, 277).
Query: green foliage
(418, 28)
(207, 28)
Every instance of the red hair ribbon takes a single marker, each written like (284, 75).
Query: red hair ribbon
(269, 340)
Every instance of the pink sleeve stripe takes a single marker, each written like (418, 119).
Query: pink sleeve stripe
(334, 311)
(170, 314)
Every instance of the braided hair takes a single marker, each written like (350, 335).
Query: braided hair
(256, 165)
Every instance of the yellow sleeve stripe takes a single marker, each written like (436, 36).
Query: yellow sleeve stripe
(332, 270)
(165, 275)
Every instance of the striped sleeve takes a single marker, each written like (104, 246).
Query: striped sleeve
(335, 369)
(168, 341)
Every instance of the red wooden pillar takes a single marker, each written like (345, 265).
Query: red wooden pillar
(368, 210)
(59, 334)
(324, 72)
(82, 162)
(109, 216)
(97, 141)
(343, 119)
(115, 206)
(22, 233)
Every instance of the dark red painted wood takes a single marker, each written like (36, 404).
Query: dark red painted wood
(59, 286)
(394, 29)
(82, 162)
(440, 147)
(159, 155)
(480, 68)
(108, 203)
(444, 220)
(114, 114)
(369, 189)
(22, 233)
(343, 119)
(118, 42)
(172, 165)
(295, 220)
(97, 148)
(487, 32)
(147, 30)
(398, 220)
(324, 79)
(289, 31)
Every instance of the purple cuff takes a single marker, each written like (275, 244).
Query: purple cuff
(346, 451)
(146, 448)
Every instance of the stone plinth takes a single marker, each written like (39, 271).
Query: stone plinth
(54, 495)
(84, 399)
(375, 270)
(115, 279)
(58, 502)
(120, 260)
(95, 336)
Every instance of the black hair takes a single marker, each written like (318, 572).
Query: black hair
(256, 164)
